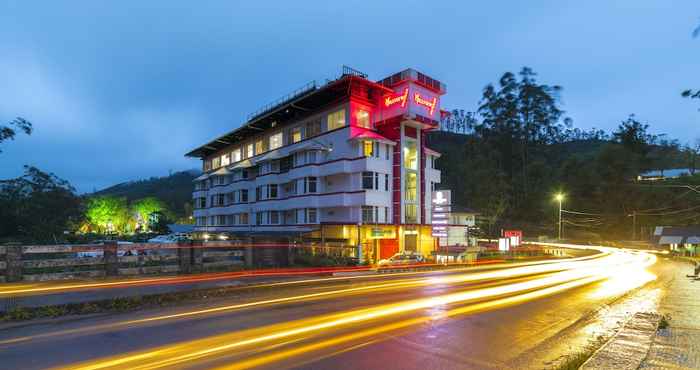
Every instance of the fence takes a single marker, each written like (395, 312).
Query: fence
(56, 262)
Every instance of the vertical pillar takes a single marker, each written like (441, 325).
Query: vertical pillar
(13, 260)
(111, 260)
(197, 257)
(249, 253)
(184, 256)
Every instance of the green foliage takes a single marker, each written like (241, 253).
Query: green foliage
(38, 206)
(107, 214)
(148, 211)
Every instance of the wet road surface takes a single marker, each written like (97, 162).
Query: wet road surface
(520, 317)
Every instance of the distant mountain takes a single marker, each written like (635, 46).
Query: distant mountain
(174, 190)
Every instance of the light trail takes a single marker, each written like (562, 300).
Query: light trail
(277, 336)
(62, 287)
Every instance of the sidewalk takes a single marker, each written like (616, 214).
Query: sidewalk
(678, 346)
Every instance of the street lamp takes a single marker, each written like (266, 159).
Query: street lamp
(559, 198)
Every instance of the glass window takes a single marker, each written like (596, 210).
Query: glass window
(313, 128)
(225, 160)
(216, 162)
(244, 218)
(410, 155)
(258, 218)
(311, 156)
(367, 214)
(276, 141)
(311, 184)
(273, 191)
(259, 146)
(236, 156)
(411, 215)
(411, 186)
(296, 134)
(274, 217)
(311, 215)
(244, 195)
(336, 120)
(250, 151)
(386, 182)
(363, 119)
(388, 151)
(368, 180)
(367, 148)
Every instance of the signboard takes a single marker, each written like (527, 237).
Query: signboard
(410, 97)
(515, 237)
(441, 207)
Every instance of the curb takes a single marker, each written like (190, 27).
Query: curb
(629, 347)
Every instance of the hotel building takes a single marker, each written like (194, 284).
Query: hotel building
(341, 165)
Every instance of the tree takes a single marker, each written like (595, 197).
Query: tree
(634, 137)
(9, 131)
(38, 206)
(521, 117)
(108, 214)
(145, 208)
(458, 121)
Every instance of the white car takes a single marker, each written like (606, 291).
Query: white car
(169, 238)
(402, 259)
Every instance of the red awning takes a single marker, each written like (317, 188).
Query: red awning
(359, 133)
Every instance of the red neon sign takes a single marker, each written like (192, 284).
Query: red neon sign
(430, 104)
(389, 100)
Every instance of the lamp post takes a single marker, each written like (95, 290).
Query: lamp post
(559, 198)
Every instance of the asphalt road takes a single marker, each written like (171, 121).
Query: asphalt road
(523, 317)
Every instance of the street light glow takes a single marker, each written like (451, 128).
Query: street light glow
(559, 197)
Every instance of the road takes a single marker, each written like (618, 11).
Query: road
(520, 317)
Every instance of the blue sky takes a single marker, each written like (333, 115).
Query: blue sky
(120, 90)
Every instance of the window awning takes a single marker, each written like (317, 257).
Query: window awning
(242, 164)
(358, 133)
(667, 240)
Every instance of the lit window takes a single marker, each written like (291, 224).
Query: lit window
(216, 162)
(410, 155)
(225, 160)
(363, 119)
(367, 148)
(250, 151)
(296, 134)
(259, 146)
(411, 214)
(236, 156)
(411, 192)
(336, 120)
(276, 141)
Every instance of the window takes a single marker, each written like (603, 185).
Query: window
(311, 215)
(258, 218)
(311, 156)
(244, 196)
(272, 190)
(258, 193)
(274, 217)
(276, 141)
(313, 128)
(386, 214)
(225, 160)
(363, 119)
(386, 182)
(216, 162)
(250, 151)
(296, 135)
(244, 219)
(411, 215)
(336, 120)
(311, 184)
(388, 151)
(367, 214)
(207, 165)
(411, 186)
(367, 148)
(259, 146)
(368, 180)
(410, 155)
(236, 156)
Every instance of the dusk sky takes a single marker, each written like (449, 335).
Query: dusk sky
(121, 90)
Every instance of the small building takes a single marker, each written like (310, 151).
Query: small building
(683, 240)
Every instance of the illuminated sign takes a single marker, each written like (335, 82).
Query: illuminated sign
(430, 104)
(389, 100)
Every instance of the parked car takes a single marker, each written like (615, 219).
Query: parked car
(405, 258)
(169, 238)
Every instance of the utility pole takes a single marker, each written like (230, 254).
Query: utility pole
(560, 198)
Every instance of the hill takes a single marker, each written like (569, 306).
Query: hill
(175, 190)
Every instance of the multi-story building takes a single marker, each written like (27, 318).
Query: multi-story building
(342, 164)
